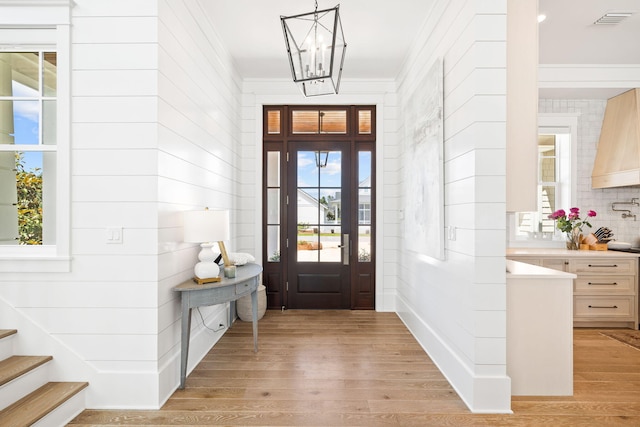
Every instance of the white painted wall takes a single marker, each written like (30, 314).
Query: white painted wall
(156, 130)
(456, 307)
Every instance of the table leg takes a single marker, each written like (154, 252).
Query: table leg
(254, 312)
(232, 312)
(184, 342)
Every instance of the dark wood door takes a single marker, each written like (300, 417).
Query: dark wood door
(319, 206)
(319, 227)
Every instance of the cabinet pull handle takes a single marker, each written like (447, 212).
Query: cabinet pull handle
(603, 265)
(603, 283)
(603, 306)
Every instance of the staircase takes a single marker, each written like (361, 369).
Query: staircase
(27, 398)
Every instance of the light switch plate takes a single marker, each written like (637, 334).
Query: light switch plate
(114, 235)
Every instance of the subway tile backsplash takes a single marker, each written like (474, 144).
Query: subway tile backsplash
(590, 114)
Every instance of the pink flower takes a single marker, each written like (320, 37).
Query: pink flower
(558, 214)
(575, 211)
(591, 213)
(573, 215)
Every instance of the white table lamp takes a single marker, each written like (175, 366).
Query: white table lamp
(207, 227)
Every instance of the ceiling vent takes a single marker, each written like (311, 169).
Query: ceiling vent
(613, 18)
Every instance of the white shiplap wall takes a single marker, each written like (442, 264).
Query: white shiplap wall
(155, 131)
(456, 307)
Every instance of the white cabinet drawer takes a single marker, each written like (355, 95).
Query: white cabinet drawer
(609, 266)
(600, 308)
(608, 284)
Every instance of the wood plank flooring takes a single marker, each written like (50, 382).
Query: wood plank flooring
(362, 368)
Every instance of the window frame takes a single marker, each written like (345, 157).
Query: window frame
(566, 183)
(44, 25)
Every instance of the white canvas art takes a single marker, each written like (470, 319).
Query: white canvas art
(424, 177)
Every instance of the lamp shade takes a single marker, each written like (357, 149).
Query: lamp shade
(206, 226)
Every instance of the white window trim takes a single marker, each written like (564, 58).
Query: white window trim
(53, 14)
(552, 123)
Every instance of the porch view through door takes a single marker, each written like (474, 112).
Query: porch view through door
(319, 207)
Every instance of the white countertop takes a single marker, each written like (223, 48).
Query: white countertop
(522, 270)
(516, 252)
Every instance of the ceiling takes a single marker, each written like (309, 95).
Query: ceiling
(379, 33)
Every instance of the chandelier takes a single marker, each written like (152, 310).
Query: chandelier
(316, 47)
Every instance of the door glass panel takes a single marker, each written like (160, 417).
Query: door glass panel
(273, 206)
(319, 206)
(330, 199)
(331, 174)
(307, 169)
(273, 243)
(330, 238)
(364, 206)
(364, 169)
(364, 243)
(273, 169)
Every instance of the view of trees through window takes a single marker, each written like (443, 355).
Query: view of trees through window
(29, 192)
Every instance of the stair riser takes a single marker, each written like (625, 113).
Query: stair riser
(64, 413)
(23, 385)
(6, 347)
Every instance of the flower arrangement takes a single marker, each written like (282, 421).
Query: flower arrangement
(572, 224)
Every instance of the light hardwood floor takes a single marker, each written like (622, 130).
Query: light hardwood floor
(362, 368)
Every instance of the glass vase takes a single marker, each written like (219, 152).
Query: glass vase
(573, 239)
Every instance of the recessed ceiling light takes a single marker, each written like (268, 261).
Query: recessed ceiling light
(541, 17)
(612, 18)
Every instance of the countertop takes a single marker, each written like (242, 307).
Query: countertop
(523, 270)
(564, 253)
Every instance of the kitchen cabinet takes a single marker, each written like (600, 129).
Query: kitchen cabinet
(605, 292)
(539, 348)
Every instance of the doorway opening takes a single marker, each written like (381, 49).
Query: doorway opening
(319, 207)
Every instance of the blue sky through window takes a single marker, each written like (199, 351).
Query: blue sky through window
(25, 121)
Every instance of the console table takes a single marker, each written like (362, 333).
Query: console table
(227, 290)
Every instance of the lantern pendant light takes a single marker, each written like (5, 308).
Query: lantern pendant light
(316, 48)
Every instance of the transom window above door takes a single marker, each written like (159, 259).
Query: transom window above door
(319, 121)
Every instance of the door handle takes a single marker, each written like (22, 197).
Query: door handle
(345, 249)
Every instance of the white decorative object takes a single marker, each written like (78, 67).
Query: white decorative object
(207, 227)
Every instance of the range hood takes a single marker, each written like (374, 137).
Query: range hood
(617, 161)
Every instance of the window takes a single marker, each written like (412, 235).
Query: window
(28, 146)
(34, 138)
(556, 180)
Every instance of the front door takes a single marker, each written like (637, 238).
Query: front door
(319, 207)
(319, 265)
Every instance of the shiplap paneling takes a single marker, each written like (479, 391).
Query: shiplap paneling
(155, 131)
(436, 298)
(199, 119)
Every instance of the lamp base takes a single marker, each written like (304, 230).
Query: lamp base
(200, 281)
